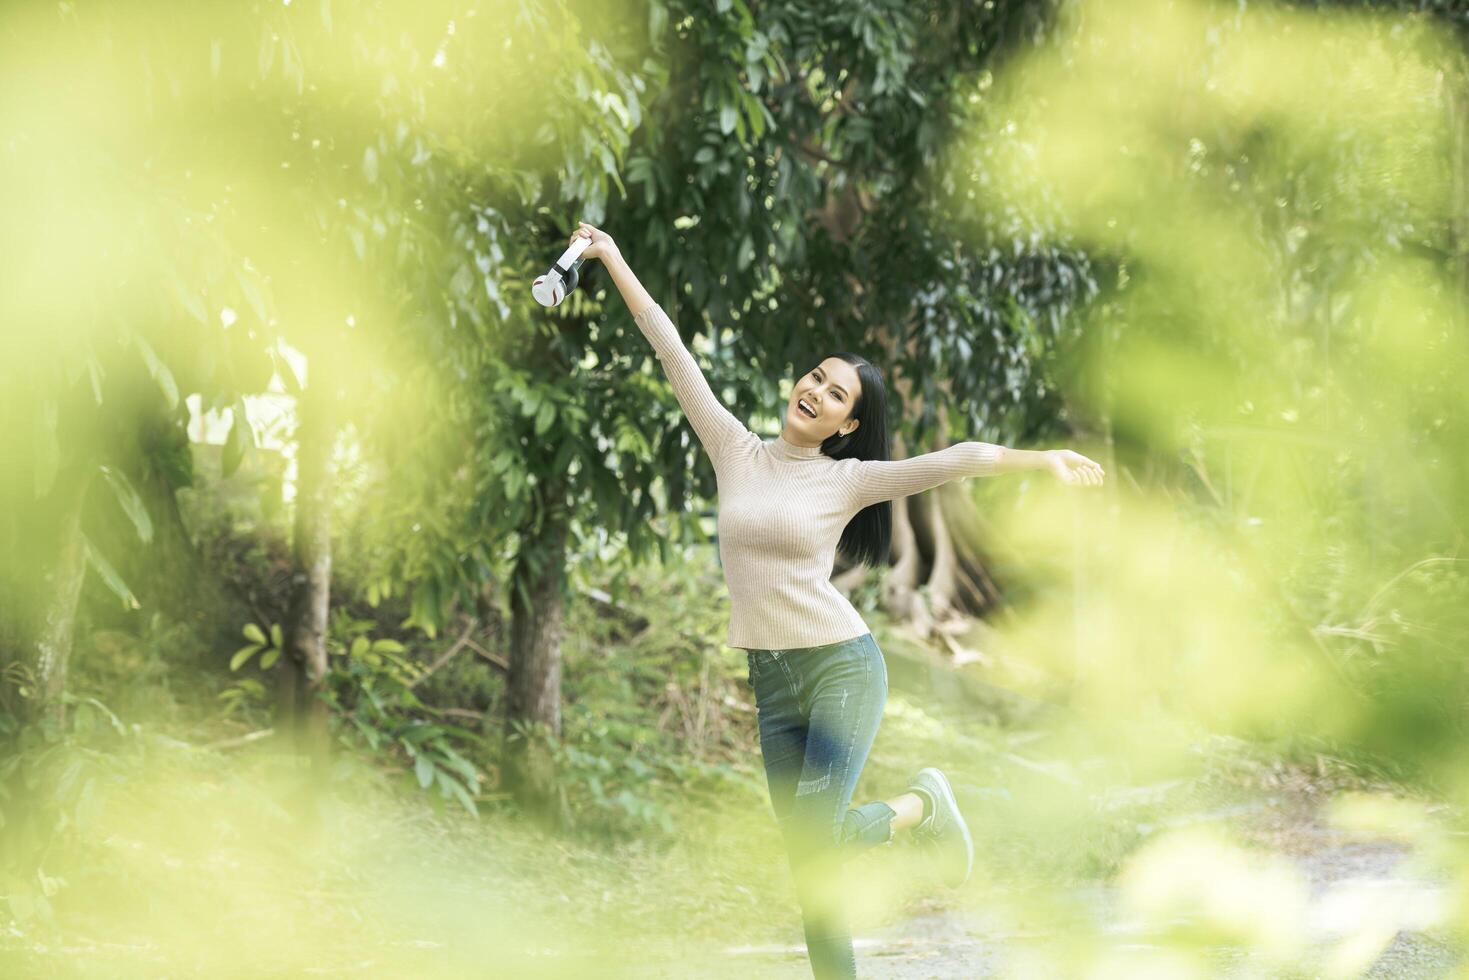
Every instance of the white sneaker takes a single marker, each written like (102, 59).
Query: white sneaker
(943, 832)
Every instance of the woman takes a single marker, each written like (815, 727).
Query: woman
(819, 679)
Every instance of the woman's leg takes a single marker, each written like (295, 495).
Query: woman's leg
(846, 690)
(784, 725)
(908, 809)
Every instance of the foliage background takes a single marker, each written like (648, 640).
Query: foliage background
(1219, 247)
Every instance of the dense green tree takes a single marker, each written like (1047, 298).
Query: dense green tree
(357, 211)
(779, 200)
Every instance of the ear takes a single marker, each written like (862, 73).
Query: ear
(851, 428)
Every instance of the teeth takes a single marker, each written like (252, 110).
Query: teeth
(806, 408)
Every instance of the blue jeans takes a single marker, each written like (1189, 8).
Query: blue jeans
(818, 712)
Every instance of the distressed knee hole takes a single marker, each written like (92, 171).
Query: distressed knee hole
(808, 786)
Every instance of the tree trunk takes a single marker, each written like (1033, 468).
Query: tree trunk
(302, 714)
(38, 607)
(940, 527)
(533, 687)
(899, 596)
(943, 575)
(967, 527)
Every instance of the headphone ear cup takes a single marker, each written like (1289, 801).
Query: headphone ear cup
(571, 279)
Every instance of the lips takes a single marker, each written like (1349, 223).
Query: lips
(803, 407)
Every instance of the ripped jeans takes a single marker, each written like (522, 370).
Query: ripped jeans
(818, 712)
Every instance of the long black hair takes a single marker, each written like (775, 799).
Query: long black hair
(868, 535)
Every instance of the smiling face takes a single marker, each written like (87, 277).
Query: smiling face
(829, 390)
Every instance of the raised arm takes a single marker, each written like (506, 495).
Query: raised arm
(718, 430)
(716, 426)
(871, 481)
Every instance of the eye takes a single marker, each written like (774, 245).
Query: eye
(816, 373)
(835, 394)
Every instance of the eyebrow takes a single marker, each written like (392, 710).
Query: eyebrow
(834, 384)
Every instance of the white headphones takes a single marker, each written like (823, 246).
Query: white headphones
(551, 289)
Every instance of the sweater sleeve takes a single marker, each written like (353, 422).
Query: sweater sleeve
(718, 430)
(872, 481)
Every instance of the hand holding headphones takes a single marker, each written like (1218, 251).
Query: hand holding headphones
(585, 243)
(602, 243)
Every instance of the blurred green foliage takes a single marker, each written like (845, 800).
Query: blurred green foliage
(1226, 240)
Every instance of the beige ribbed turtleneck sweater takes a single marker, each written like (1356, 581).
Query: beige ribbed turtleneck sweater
(782, 508)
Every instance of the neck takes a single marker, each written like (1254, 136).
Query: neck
(793, 450)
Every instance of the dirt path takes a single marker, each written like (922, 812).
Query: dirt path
(1354, 885)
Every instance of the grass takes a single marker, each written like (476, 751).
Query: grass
(192, 861)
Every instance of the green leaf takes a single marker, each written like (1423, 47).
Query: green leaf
(359, 646)
(115, 721)
(271, 656)
(461, 765)
(727, 117)
(449, 785)
(545, 416)
(286, 373)
(160, 373)
(253, 632)
(242, 655)
(275, 635)
(417, 735)
(424, 766)
(131, 503)
(240, 439)
(109, 576)
(390, 646)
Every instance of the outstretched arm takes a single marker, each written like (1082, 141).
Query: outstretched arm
(872, 481)
(718, 430)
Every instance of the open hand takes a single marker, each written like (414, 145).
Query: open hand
(1074, 468)
(602, 243)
